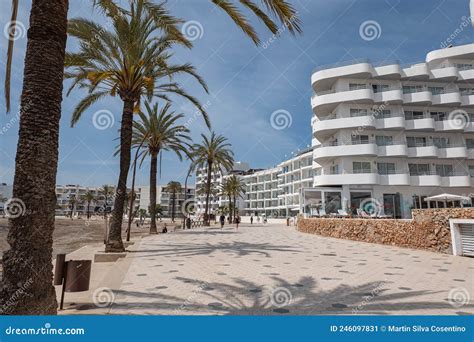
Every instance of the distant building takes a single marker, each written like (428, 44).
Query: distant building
(165, 199)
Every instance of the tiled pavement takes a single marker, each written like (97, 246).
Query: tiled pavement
(275, 270)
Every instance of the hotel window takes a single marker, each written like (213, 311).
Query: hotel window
(419, 169)
(438, 116)
(378, 88)
(334, 170)
(463, 66)
(361, 167)
(413, 115)
(386, 168)
(470, 144)
(471, 170)
(441, 142)
(436, 90)
(384, 113)
(360, 139)
(466, 91)
(358, 112)
(416, 141)
(444, 170)
(356, 86)
(383, 140)
(412, 89)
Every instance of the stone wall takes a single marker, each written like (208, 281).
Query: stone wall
(428, 230)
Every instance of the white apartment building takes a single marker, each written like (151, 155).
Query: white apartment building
(263, 193)
(64, 193)
(217, 179)
(165, 199)
(393, 133)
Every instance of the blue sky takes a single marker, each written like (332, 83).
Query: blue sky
(247, 83)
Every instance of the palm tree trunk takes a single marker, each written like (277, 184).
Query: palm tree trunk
(27, 268)
(235, 209)
(114, 239)
(153, 172)
(88, 211)
(208, 193)
(173, 200)
(230, 205)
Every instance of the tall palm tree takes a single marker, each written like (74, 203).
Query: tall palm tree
(72, 205)
(213, 155)
(227, 190)
(173, 188)
(131, 60)
(88, 197)
(160, 132)
(106, 191)
(237, 188)
(37, 151)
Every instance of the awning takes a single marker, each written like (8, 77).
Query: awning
(447, 197)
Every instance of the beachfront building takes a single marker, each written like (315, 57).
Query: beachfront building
(296, 174)
(392, 133)
(165, 199)
(70, 198)
(217, 179)
(262, 194)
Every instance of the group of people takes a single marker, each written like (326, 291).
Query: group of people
(229, 219)
(264, 219)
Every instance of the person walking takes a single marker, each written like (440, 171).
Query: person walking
(222, 220)
(237, 221)
(251, 219)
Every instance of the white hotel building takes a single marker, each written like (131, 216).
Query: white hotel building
(394, 133)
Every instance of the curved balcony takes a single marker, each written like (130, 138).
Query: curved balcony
(330, 101)
(393, 96)
(447, 99)
(461, 52)
(329, 152)
(467, 100)
(459, 180)
(458, 152)
(466, 75)
(393, 122)
(323, 77)
(419, 98)
(449, 73)
(346, 178)
(397, 149)
(425, 180)
(418, 71)
(329, 126)
(426, 124)
(390, 71)
(450, 125)
(430, 151)
(402, 178)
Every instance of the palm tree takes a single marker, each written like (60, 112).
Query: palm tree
(158, 210)
(160, 132)
(173, 188)
(88, 197)
(227, 190)
(131, 60)
(106, 191)
(213, 155)
(37, 151)
(237, 189)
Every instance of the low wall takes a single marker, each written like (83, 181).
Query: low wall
(428, 230)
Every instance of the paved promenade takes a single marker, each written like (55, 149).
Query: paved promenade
(275, 270)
